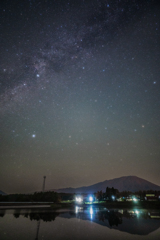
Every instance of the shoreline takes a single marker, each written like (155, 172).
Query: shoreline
(51, 205)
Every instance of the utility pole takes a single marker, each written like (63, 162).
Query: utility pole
(44, 183)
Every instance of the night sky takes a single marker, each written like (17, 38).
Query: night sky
(79, 92)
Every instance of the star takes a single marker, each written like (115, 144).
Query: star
(72, 88)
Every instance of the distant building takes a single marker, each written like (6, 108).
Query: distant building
(151, 197)
(154, 214)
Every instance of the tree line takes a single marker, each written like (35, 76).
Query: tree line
(35, 197)
(111, 194)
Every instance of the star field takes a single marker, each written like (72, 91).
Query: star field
(79, 92)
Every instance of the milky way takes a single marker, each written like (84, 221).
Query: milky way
(79, 92)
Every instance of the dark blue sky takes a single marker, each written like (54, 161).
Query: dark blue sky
(79, 92)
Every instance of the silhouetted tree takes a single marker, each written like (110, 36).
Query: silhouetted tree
(99, 195)
(111, 192)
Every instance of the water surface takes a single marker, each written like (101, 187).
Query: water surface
(79, 223)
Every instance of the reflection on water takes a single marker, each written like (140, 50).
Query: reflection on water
(38, 226)
(134, 222)
(94, 214)
(45, 216)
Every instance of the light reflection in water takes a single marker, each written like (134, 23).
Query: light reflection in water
(76, 210)
(91, 212)
(134, 222)
(80, 210)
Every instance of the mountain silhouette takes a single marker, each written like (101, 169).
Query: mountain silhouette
(127, 183)
(2, 193)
